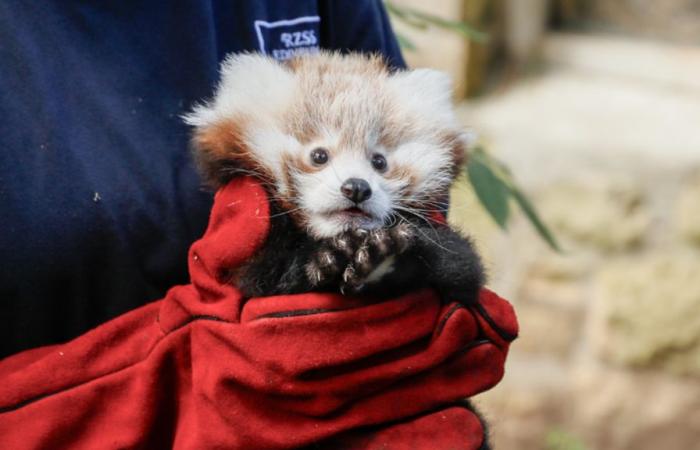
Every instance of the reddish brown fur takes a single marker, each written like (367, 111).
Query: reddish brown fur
(405, 175)
(222, 150)
(289, 165)
(455, 142)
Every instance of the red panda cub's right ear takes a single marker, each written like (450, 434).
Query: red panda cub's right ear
(252, 95)
(221, 151)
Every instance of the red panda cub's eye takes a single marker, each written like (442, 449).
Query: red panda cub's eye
(319, 156)
(379, 162)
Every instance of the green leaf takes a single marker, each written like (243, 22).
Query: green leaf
(461, 27)
(561, 440)
(421, 20)
(502, 172)
(534, 218)
(405, 15)
(491, 191)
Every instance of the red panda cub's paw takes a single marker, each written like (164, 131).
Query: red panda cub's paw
(358, 257)
(375, 256)
(331, 259)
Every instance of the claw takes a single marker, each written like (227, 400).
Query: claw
(348, 274)
(402, 237)
(343, 244)
(313, 272)
(326, 258)
(362, 256)
(361, 232)
(380, 240)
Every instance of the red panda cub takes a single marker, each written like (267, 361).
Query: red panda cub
(356, 159)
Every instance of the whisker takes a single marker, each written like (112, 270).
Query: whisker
(284, 213)
(428, 221)
(418, 229)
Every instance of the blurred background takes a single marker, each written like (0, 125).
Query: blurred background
(594, 107)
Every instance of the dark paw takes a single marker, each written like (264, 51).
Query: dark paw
(375, 249)
(333, 256)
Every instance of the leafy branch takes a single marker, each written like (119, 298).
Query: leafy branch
(495, 188)
(421, 20)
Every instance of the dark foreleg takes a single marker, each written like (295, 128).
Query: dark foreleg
(451, 263)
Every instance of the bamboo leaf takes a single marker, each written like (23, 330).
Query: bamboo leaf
(497, 167)
(534, 218)
(490, 190)
(461, 27)
(421, 20)
(502, 172)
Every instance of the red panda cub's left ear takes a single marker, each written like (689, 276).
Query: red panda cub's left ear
(425, 92)
(252, 95)
(427, 95)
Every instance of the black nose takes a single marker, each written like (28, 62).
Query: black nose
(356, 189)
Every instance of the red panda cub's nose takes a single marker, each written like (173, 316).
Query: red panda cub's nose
(356, 189)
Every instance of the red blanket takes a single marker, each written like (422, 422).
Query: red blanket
(204, 369)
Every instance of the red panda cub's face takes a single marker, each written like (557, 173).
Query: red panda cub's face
(340, 141)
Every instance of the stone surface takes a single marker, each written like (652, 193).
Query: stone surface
(606, 213)
(520, 419)
(528, 405)
(688, 212)
(649, 310)
(629, 411)
(554, 293)
(551, 303)
(595, 409)
(559, 267)
(548, 330)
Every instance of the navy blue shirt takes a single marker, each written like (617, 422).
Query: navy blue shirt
(99, 201)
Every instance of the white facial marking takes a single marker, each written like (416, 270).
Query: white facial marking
(329, 211)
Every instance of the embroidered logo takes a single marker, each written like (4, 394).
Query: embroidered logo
(284, 39)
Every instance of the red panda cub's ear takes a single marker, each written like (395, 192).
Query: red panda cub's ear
(427, 93)
(458, 142)
(430, 102)
(252, 94)
(221, 151)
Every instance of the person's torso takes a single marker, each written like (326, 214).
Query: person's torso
(99, 200)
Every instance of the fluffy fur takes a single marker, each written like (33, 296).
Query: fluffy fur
(266, 117)
(395, 132)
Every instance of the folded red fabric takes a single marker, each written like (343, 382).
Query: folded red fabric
(205, 368)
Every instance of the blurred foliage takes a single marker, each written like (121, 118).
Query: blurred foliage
(561, 440)
(495, 188)
(421, 20)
